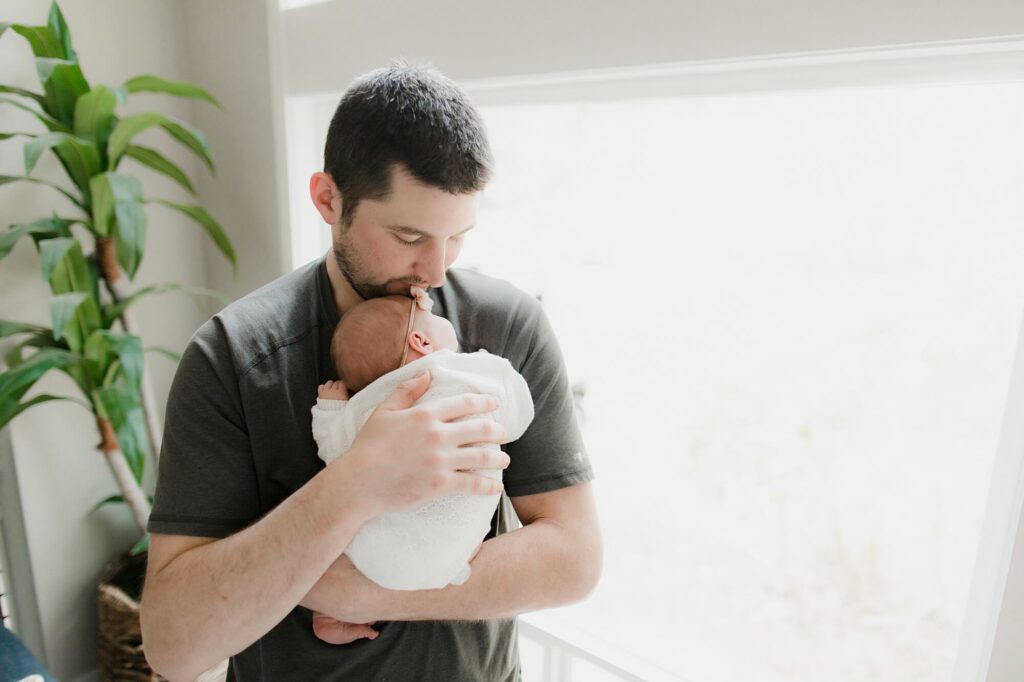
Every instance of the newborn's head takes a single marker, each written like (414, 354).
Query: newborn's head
(371, 339)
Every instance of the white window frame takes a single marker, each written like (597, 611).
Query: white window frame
(993, 619)
(14, 555)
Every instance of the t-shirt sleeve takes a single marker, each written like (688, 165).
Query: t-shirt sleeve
(207, 483)
(551, 454)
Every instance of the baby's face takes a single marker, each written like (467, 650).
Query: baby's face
(439, 330)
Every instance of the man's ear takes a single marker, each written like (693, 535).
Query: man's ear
(420, 343)
(325, 196)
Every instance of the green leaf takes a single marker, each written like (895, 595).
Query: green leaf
(99, 357)
(42, 39)
(4, 179)
(109, 378)
(119, 92)
(166, 352)
(193, 139)
(39, 99)
(156, 161)
(143, 544)
(64, 265)
(120, 405)
(130, 126)
(127, 128)
(94, 114)
(16, 381)
(9, 409)
(117, 211)
(75, 307)
(51, 123)
(7, 136)
(63, 83)
(128, 350)
(39, 339)
(9, 328)
(178, 89)
(34, 149)
(112, 312)
(81, 161)
(60, 29)
(117, 499)
(44, 228)
(109, 500)
(62, 310)
(212, 227)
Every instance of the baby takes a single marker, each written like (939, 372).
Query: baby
(376, 346)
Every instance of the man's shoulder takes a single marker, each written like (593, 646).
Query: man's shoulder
(269, 317)
(473, 292)
(487, 312)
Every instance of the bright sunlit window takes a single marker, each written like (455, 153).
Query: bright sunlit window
(789, 318)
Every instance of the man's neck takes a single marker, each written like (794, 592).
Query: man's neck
(344, 295)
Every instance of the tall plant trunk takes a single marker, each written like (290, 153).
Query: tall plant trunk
(131, 491)
(115, 285)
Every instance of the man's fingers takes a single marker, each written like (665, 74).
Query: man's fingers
(478, 431)
(464, 405)
(479, 458)
(407, 392)
(474, 484)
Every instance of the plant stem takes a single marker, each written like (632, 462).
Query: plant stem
(114, 283)
(131, 491)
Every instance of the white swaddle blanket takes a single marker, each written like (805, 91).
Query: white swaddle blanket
(429, 546)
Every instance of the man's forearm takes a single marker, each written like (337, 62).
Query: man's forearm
(214, 600)
(539, 566)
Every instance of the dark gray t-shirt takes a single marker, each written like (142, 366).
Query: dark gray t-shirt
(238, 441)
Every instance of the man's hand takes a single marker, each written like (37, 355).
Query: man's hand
(332, 390)
(405, 455)
(337, 632)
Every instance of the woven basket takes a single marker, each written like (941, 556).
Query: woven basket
(119, 649)
(120, 652)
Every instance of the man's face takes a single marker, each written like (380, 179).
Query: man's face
(410, 238)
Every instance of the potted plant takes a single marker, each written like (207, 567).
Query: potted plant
(93, 338)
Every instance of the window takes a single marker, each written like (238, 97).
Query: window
(789, 317)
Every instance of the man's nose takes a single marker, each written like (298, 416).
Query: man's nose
(433, 266)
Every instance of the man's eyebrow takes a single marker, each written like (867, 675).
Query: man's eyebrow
(405, 229)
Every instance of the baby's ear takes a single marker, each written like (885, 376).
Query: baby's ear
(420, 343)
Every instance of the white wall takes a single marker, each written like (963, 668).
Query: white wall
(328, 44)
(61, 474)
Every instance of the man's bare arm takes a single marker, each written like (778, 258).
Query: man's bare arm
(204, 601)
(555, 559)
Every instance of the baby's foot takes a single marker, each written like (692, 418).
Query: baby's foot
(337, 632)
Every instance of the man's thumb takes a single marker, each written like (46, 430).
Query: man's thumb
(408, 392)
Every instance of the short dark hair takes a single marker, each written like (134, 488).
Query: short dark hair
(410, 115)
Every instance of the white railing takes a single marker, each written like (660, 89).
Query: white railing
(563, 645)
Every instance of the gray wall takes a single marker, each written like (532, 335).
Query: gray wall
(61, 475)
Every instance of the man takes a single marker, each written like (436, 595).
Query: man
(248, 526)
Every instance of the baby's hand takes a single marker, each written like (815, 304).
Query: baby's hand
(332, 390)
(337, 632)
